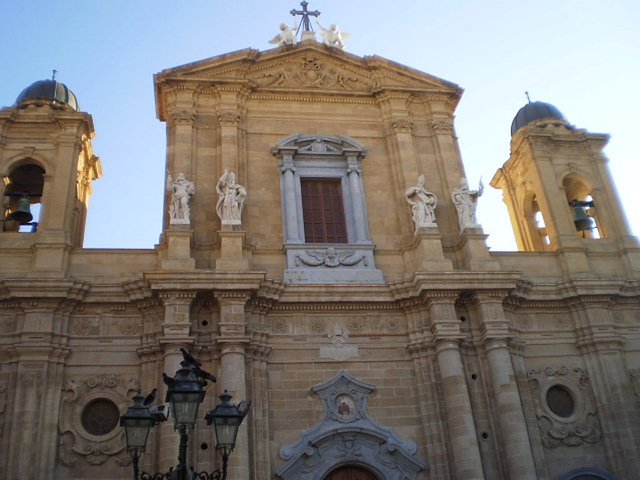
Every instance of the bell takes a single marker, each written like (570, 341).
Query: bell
(22, 213)
(581, 219)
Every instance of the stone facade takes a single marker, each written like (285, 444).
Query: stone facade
(412, 353)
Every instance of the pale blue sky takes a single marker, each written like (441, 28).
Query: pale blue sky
(581, 56)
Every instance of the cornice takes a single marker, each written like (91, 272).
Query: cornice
(34, 288)
(204, 280)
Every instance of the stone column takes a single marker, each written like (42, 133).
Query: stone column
(290, 205)
(176, 328)
(359, 212)
(445, 328)
(232, 342)
(513, 425)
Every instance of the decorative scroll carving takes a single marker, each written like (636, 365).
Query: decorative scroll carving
(345, 435)
(330, 258)
(228, 117)
(571, 421)
(182, 116)
(76, 443)
(402, 125)
(442, 125)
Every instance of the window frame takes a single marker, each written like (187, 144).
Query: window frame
(334, 158)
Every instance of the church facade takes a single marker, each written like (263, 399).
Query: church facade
(320, 256)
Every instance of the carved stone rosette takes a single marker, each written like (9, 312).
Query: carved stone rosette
(76, 442)
(565, 406)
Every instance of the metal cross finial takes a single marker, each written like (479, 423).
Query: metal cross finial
(305, 23)
(528, 98)
(53, 77)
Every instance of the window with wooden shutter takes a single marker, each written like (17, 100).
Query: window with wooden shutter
(323, 211)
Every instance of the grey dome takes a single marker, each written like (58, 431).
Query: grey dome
(534, 111)
(49, 90)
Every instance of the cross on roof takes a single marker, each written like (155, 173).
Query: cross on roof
(305, 23)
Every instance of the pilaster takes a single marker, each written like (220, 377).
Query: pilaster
(603, 354)
(39, 359)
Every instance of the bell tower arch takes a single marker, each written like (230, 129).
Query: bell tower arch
(558, 189)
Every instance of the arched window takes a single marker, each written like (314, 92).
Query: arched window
(22, 197)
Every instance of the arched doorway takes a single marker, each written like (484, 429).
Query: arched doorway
(351, 473)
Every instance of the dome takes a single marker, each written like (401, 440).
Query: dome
(49, 90)
(534, 111)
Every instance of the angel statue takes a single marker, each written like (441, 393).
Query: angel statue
(332, 37)
(181, 191)
(423, 205)
(286, 36)
(230, 199)
(466, 201)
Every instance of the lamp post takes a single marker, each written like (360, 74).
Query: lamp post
(137, 422)
(185, 393)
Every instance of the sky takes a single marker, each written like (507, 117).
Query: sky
(581, 56)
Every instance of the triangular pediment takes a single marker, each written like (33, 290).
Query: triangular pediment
(307, 67)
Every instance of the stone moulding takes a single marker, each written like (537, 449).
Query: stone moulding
(347, 436)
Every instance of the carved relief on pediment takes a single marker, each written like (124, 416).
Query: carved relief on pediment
(311, 71)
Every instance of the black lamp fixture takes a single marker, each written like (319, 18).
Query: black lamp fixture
(137, 422)
(185, 393)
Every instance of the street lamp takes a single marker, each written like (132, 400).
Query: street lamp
(185, 392)
(137, 422)
(226, 419)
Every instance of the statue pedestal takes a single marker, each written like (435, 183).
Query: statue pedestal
(178, 241)
(426, 251)
(475, 253)
(231, 243)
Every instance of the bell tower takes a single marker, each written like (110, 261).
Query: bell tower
(46, 166)
(559, 191)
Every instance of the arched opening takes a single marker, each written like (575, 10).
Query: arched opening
(350, 472)
(22, 197)
(588, 473)
(583, 207)
(539, 239)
